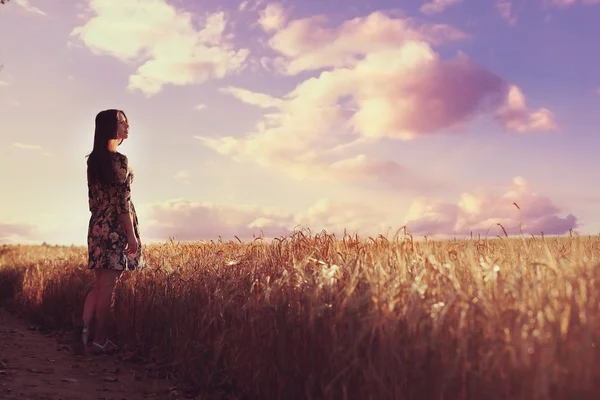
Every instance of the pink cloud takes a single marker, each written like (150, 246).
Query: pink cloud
(190, 220)
(480, 211)
(438, 6)
(477, 211)
(515, 115)
(187, 220)
(416, 93)
(367, 171)
(567, 3)
(15, 232)
(505, 8)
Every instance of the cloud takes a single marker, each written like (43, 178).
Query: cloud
(273, 17)
(399, 94)
(515, 116)
(474, 211)
(478, 211)
(243, 5)
(163, 41)
(437, 6)
(24, 146)
(9, 80)
(15, 233)
(382, 79)
(567, 3)
(250, 5)
(200, 107)
(26, 5)
(188, 220)
(415, 94)
(337, 216)
(31, 148)
(366, 171)
(504, 7)
(262, 100)
(519, 207)
(308, 44)
(182, 176)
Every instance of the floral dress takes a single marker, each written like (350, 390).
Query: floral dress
(107, 240)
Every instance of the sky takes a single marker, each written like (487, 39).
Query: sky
(257, 118)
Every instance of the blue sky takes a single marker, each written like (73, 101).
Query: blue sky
(267, 116)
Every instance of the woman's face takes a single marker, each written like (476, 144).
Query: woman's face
(122, 126)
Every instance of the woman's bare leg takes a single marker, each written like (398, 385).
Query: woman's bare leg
(89, 310)
(105, 284)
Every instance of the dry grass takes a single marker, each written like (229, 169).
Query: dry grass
(316, 317)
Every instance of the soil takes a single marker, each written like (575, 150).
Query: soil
(40, 365)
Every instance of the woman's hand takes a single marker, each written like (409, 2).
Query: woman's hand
(132, 245)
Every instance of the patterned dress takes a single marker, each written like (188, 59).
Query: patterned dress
(107, 239)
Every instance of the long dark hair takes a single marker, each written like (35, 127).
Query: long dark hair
(99, 160)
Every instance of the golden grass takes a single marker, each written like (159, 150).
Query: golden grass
(316, 317)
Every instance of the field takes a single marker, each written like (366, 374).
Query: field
(318, 317)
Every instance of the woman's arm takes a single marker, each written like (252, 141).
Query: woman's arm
(127, 225)
(123, 193)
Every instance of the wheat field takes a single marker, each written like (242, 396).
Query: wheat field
(315, 316)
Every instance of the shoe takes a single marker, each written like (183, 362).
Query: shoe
(85, 335)
(107, 348)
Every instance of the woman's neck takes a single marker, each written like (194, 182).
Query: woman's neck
(112, 145)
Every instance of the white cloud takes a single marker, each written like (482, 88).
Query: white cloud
(254, 98)
(273, 17)
(31, 148)
(308, 44)
(183, 176)
(26, 5)
(438, 6)
(163, 41)
(200, 107)
(24, 146)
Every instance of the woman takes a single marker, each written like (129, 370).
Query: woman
(113, 238)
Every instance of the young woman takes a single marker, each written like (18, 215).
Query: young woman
(113, 238)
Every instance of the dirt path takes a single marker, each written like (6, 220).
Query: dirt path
(36, 366)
